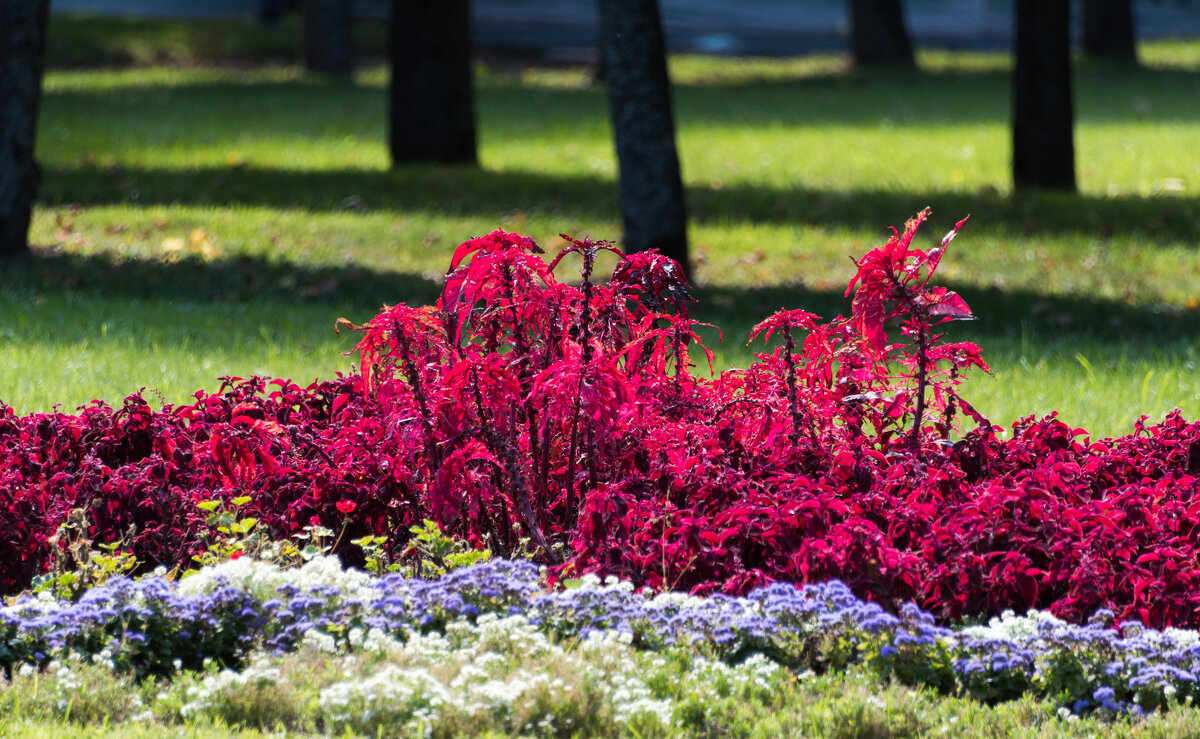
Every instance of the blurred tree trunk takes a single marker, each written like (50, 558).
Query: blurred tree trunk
(650, 188)
(328, 37)
(878, 34)
(1043, 113)
(22, 61)
(1108, 31)
(270, 12)
(432, 94)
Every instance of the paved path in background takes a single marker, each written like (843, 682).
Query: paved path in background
(766, 27)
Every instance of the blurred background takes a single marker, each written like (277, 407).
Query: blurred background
(221, 180)
(754, 27)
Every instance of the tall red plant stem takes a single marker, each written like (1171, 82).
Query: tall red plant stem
(677, 350)
(914, 438)
(793, 401)
(585, 360)
(920, 318)
(512, 467)
(414, 379)
(524, 370)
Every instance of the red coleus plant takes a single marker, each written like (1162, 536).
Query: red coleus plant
(533, 416)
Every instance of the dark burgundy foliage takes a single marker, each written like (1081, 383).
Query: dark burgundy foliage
(526, 414)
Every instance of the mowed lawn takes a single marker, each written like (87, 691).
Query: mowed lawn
(198, 219)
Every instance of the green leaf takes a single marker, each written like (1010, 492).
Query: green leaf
(208, 505)
(463, 559)
(42, 582)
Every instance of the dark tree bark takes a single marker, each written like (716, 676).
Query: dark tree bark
(1108, 31)
(1043, 112)
(328, 37)
(270, 12)
(878, 34)
(432, 98)
(650, 188)
(22, 60)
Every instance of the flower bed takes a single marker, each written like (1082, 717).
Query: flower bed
(526, 415)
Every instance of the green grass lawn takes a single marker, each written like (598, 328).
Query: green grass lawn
(198, 220)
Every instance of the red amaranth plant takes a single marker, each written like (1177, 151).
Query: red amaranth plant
(529, 415)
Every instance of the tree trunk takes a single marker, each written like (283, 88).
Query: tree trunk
(432, 105)
(1108, 31)
(878, 35)
(650, 188)
(1043, 115)
(22, 60)
(328, 37)
(270, 12)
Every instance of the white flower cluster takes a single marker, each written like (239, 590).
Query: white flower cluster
(262, 579)
(500, 696)
(1012, 627)
(1008, 625)
(612, 584)
(394, 697)
(215, 689)
(66, 684)
(716, 679)
(673, 598)
(1182, 637)
(319, 641)
(513, 636)
(506, 673)
(42, 604)
(620, 674)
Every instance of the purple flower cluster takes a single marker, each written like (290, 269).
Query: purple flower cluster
(296, 610)
(1095, 666)
(143, 626)
(499, 586)
(147, 627)
(819, 625)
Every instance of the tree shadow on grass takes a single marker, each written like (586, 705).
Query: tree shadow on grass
(229, 280)
(1000, 313)
(479, 192)
(844, 97)
(277, 288)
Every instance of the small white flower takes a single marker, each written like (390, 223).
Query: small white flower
(319, 641)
